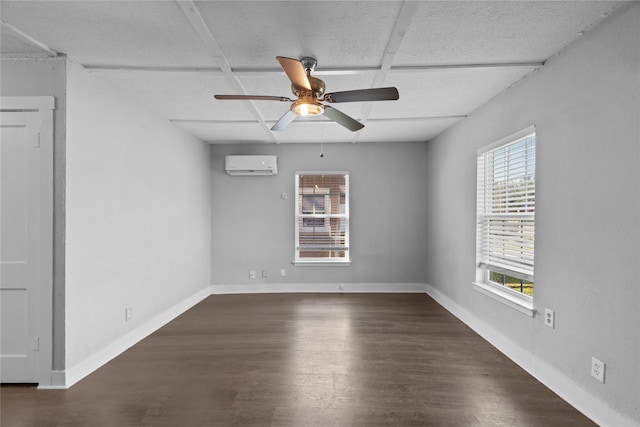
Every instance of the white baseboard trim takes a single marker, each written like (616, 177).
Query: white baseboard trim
(57, 382)
(274, 288)
(592, 407)
(76, 373)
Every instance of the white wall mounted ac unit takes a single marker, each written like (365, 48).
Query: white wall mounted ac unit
(251, 165)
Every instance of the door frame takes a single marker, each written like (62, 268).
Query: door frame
(44, 105)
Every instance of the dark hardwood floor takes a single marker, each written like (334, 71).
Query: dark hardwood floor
(302, 360)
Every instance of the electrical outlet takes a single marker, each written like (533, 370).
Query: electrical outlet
(283, 272)
(597, 369)
(264, 274)
(128, 314)
(252, 274)
(549, 318)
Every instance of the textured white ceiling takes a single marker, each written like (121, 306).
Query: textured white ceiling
(446, 58)
(470, 32)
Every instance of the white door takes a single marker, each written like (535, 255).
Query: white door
(19, 250)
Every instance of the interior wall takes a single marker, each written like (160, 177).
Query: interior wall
(138, 203)
(46, 77)
(585, 105)
(253, 227)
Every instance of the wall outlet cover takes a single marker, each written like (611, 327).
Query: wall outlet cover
(549, 318)
(597, 369)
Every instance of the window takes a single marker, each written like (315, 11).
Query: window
(506, 215)
(322, 217)
(315, 204)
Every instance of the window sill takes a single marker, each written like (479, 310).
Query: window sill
(506, 298)
(321, 263)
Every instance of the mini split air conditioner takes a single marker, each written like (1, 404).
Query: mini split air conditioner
(251, 165)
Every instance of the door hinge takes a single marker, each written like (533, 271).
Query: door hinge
(37, 140)
(36, 344)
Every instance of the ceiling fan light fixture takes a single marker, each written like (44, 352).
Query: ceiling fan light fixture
(310, 92)
(307, 108)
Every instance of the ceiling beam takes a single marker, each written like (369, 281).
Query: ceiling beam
(317, 72)
(120, 69)
(213, 49)
(328, 72)
(320, 122)
(407, 10)
(213, 121)
(451, 67)
(418, 119)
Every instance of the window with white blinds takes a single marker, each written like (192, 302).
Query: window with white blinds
(506, 212)
(322, 217)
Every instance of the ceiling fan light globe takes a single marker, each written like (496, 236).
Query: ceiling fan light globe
(307, 108)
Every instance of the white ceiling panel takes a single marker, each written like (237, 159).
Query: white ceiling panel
(446, 58)
(404, 130)
(445, 92)
(126, 33)
(470, 32)
(319, 130)
(226, 132)
(182, 95)
(337, 33)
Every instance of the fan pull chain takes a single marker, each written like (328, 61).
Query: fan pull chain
(321, 136)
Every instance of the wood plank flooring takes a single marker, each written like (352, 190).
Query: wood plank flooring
(302, 360)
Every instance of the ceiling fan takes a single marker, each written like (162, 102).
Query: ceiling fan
(310, 93)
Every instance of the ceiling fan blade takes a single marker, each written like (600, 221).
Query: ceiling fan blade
(254, 98)
(342, 119)
(284, 121)
(295, 71)
(377, 94)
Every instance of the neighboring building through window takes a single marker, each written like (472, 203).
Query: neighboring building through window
(322, 217)
(506, 213)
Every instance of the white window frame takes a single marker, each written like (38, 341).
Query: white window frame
(516, 300)
(327, 215)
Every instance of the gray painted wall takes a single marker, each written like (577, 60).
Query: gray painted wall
(253, 228)
(584, 103)
(46, 77)
(138, 206)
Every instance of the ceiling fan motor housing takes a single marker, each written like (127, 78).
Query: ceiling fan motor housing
(317, 88)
